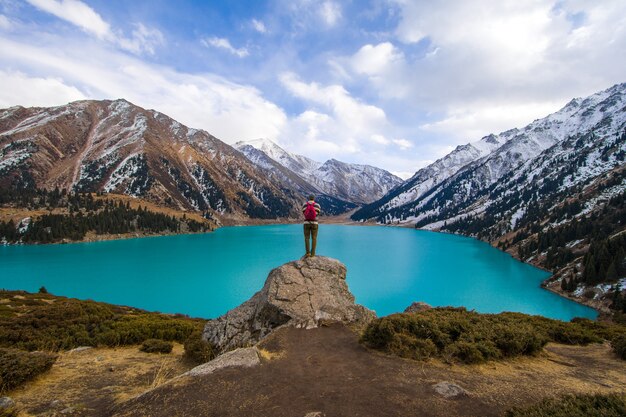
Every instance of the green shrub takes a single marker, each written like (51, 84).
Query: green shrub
(456, 334)
(522, 339)
(597, 405)
(197, 350)
(18, 367)
(466, 352)
(46, 322)
(619, 346)
(156, 346)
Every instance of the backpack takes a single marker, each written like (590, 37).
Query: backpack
(309, 212)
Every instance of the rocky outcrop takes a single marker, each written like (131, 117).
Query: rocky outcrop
(244, 357)
(302, 293)
(449, 390)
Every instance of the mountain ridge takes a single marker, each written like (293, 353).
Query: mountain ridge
(115, 146)
(552, 194)
(355, 183)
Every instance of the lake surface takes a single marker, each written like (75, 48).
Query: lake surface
(205, 275)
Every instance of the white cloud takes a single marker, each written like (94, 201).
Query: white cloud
(482, 67)
(259, 26)
(5, 23)
(402, 143)
(18, 88)
(77, 13)
(143, 39)
(379, 139)
(405, 175)
(336, 124)
(374, 60)
(330, 12)
(223, 43)
(88, 70)
(474, 121)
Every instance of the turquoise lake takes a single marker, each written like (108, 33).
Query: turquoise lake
(205, 275)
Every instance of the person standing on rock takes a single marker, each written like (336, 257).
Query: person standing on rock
(311, 210)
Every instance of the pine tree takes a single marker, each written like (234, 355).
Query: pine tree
(611, 272)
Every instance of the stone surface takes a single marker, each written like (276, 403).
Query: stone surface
(304, 293)
(80, 349)
(448, 389)
(417, 306)
(244, 357)
(6, 402)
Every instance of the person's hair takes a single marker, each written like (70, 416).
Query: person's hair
(311, 197)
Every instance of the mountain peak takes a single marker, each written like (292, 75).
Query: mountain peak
(463, 177)
(348, 182)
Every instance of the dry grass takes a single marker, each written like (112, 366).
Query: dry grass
(560, 369)
(136, 202)
(270, 356)
(95, 379)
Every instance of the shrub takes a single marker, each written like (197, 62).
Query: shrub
(156, 346)
(43, 290)
(469, 337)
(46, 322)
(467, 352)
(596, 405)
(197, 350)
(619, 346)
(18, 367)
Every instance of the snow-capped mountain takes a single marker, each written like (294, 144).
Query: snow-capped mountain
(286, 178)
(299, 164)
(354, 182)
(461, 182)
(552, 193)
(349, 182)
(115, 146)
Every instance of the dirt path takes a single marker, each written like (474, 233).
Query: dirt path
(326, 370)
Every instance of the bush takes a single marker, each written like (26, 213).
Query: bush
(456, 334)
(18, 367)
(156, 346)
(197, 350)
(619, 346)
(597, 405)
(46, 322)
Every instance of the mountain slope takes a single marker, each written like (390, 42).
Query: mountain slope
(348, 182)
(286, 178)
(553, 194)
(299, 164)
(114, 146)
(460, 180)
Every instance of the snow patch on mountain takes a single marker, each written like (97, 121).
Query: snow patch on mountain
(586, 132)
(348, 182)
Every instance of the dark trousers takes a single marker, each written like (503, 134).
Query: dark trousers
(310, 231)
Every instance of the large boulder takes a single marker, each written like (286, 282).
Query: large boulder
(302, 293)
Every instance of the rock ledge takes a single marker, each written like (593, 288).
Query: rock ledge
(303, 293)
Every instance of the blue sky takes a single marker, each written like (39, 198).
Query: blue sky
(391, 83)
